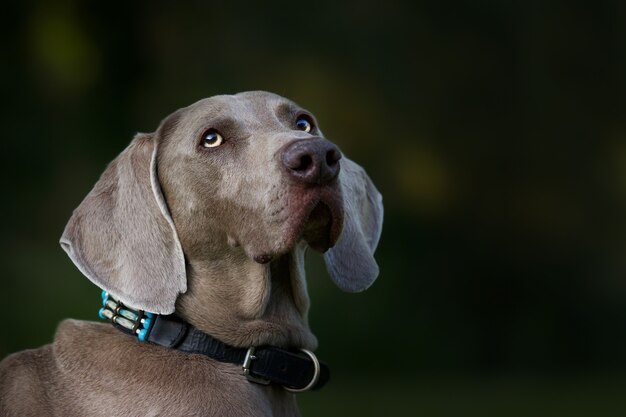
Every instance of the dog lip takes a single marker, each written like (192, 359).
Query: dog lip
(263, 259)
(321, 226)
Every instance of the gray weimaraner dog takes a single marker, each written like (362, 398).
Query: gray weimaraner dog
(209, 218)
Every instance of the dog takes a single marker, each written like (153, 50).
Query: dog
(197, 234)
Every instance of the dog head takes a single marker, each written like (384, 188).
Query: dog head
(250, 172)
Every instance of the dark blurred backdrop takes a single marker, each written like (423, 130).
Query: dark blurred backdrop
(495, 130)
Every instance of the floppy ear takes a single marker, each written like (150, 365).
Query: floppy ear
(351, 262)
(122, 236)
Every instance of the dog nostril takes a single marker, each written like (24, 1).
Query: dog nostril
(332, 157)
(305, 163)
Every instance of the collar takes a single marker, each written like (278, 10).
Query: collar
(296, 371)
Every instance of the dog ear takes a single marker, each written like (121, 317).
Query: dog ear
(351, 262)
(122, 236)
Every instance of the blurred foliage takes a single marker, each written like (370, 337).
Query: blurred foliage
(495, 131)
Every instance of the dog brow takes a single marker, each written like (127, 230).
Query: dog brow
(286, 109)
(224, 124)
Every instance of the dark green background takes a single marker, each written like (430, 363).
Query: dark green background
(495, 130)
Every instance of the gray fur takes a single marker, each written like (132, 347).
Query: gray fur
(171, 226)
(123, 229)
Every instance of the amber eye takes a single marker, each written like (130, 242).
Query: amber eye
(212, 139)
(304, 123)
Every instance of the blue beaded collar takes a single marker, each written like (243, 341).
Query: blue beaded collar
(136, 322)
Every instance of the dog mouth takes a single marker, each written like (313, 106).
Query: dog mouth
(321, 225)
(317, 219)
(318, 227)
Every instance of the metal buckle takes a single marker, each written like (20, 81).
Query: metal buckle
(247, 361)
(316, 374)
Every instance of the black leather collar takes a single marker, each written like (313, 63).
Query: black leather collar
(294, 370)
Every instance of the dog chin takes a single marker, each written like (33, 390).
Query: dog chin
(319, 223)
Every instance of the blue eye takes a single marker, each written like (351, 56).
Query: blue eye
(304, 124)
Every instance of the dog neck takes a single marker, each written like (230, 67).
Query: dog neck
(244, 303)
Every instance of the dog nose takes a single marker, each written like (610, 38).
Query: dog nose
(312, 161)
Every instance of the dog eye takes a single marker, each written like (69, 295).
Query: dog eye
(212, 139)
(304, 123)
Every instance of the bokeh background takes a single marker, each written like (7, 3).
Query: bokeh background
(495, 130)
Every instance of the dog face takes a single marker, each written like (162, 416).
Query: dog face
(252, 169)
(248, 172)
